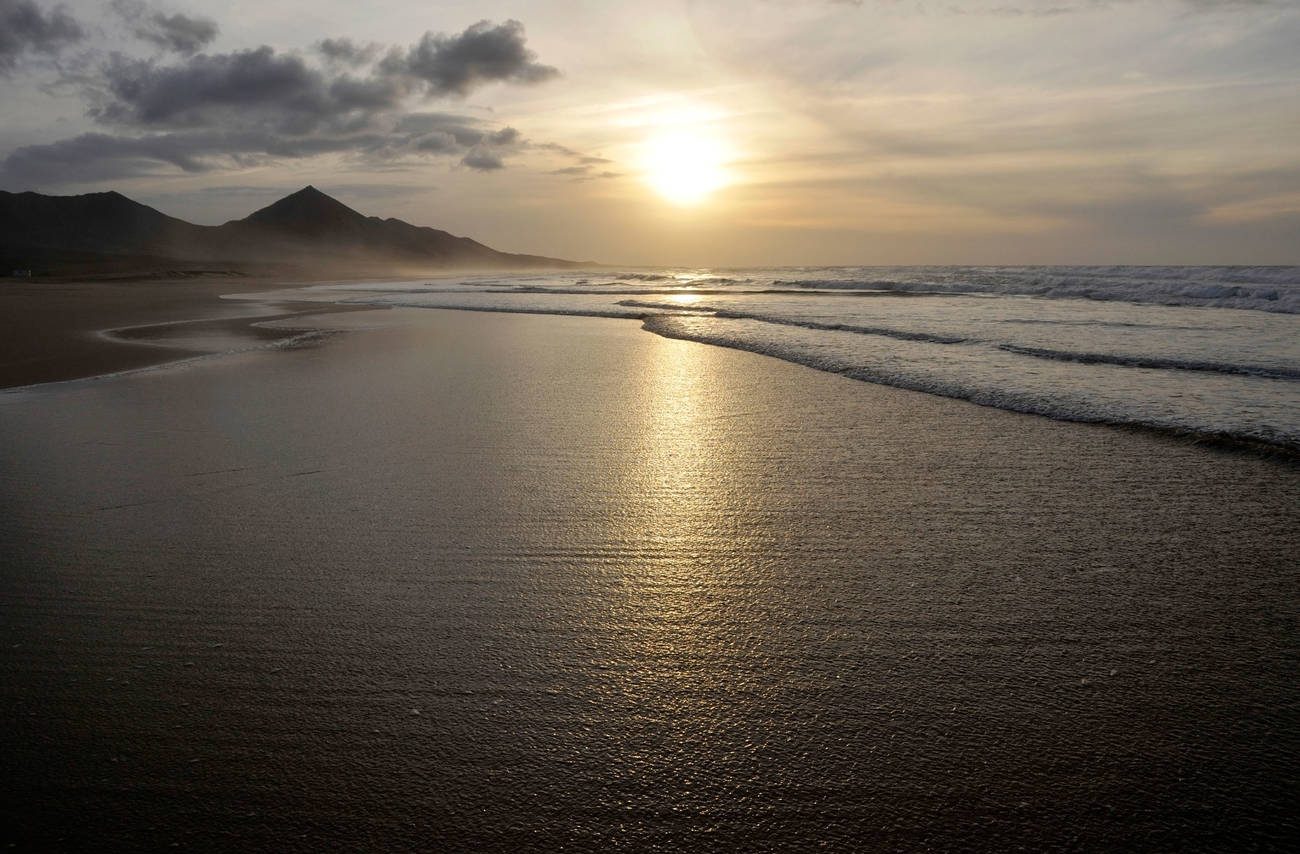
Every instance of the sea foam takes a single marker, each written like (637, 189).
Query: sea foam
(1206, 350)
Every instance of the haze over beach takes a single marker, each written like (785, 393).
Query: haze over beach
(796, 425)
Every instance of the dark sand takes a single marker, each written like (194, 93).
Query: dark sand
(52, 330)
(511, 583)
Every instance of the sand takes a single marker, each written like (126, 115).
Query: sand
(55, 330)
(508, 583)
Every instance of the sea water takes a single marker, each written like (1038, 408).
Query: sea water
(1210, 351)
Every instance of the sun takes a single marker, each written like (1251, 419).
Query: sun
(685, 167)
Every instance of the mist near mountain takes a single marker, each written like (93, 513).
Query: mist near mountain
(307, 230)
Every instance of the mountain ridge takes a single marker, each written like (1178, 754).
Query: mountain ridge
(305, 228)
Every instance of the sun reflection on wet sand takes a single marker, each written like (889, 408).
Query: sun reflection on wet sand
(688, 612)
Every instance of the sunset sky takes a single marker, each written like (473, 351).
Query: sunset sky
(692, 132)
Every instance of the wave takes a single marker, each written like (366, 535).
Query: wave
(501, 309)
(1270, 372)
(1026, 401)
(684, 278)
(731, 314)
(1274, 289)
(1088, 358)
(643, 277)
(1212, 373)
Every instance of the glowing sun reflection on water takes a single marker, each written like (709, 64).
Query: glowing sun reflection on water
(688, 582)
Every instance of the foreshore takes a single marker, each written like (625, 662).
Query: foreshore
(61, 330)
(500, 582)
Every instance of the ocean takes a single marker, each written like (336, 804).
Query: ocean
(1206, 351)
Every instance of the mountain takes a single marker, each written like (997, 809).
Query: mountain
(96, 222)
(305, 229)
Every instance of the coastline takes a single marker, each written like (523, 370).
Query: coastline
(161, 321)
(70, 329)
(504, 582)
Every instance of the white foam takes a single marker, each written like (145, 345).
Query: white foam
(1133, 345)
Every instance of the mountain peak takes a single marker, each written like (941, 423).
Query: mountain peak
(306, 227)
(308, 212)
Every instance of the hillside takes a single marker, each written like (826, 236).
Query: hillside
(305, 229)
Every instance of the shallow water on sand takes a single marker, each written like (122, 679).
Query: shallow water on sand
(1212, 352)
(503, 583)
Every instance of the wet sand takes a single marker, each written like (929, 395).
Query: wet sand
(55, 330)
(511, 583)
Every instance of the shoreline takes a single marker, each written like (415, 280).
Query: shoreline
(73, 330)
(262, 304)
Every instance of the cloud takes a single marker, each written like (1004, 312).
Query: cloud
(104, 157)
(263, 88)
(251, 87)
(485, 154)
(482, 161)
(199, 112)
(584, 173)
(347, 52)
(25, 29)
(582, 170)
(179, 33)
(449, 133)
(455, 65)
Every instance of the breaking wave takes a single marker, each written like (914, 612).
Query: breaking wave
(1167, 347)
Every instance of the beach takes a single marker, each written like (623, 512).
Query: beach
(493, 582)
(51, 331)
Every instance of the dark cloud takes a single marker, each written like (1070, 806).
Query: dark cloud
(262, 88)
(103, 157)
(455, 65)
(250, 88)
(204, 111)
(584, 173)
(367, 94)
(505, 136)
(179, 33)
(445, 133)
(482, 161)
(347, 52)
(461, 130)
(25, 29)
(437, 143)
(485, 155)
